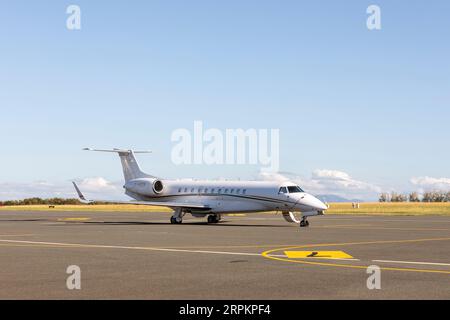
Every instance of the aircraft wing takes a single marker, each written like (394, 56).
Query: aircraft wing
(148, 203)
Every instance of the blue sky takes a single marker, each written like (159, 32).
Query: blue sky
(373, 105)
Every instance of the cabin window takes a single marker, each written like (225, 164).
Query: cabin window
(238, 190)
(185, 190)
(192, 190)
(282, 190)
(212, 190)
(200, 190)
(206, 190)
(294, 189)
(179, 189)
(219, 191)
(226, 190)
(232, 190)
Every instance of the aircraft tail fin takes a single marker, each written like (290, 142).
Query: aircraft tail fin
(130, 166)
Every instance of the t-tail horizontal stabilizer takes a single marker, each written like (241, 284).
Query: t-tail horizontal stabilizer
(117, 150)
(130, 166)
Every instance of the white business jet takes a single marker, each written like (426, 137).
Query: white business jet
(212, 198)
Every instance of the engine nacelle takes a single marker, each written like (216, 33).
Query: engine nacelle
(145, 186)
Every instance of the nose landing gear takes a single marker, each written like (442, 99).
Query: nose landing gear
(304, 222)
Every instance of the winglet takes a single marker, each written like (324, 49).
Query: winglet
(80, 195)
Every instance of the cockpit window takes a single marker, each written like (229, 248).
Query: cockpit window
(283, 190)
(293, 189)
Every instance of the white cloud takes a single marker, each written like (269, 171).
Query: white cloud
(340, 179)
(325, 181)
(273, 176)
(96, 187)
(430, 183)
(97, 184)
(331, 175)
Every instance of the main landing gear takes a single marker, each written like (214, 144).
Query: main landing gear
(177, 217)
(174, 220)
(304, 222)
(214, 218)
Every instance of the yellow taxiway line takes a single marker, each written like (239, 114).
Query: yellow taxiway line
(269, 254)
(318, 254)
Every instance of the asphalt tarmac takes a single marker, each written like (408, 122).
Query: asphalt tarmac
(124, 255)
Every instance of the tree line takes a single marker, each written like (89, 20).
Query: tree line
(429, 196)
(37, 201)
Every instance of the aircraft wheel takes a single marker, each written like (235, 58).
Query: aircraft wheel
(174, 220)
(304, 223)
(212, 219)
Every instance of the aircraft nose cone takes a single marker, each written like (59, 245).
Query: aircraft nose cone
(322, 206)
(315, 203)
